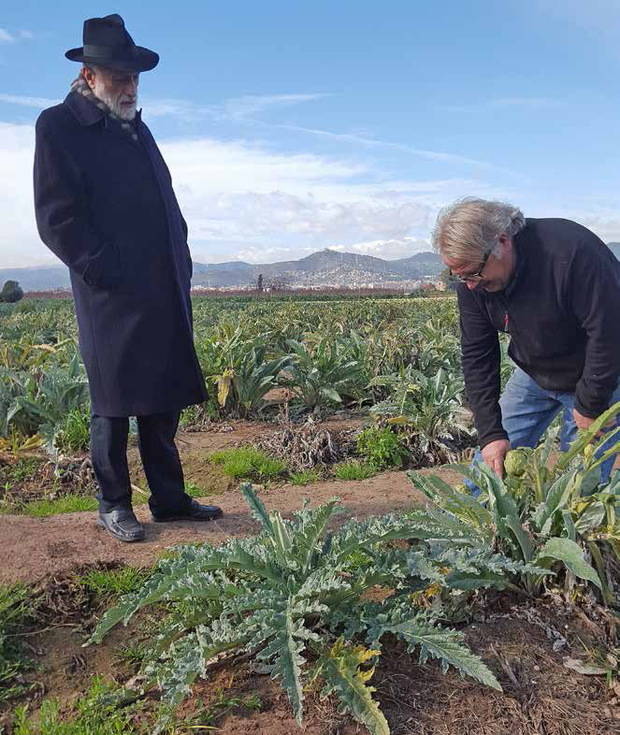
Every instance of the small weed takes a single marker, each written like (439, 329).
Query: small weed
(250, 463)
(381, 447)
(132, 654)
(304, 478)
(16, 611)
(73, 434)
(21, 470)
(63, 504)
(96, 713)
(354, 470)
(113, 582)
(196, 491)
(205, 718)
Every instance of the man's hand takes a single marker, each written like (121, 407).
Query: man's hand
(494, 454)
(583, 422)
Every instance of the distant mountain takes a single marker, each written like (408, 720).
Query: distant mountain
(37, 278)
(326, 267)
(323, 268)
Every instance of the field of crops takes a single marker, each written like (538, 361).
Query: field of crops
(394, 357)
(360, 622)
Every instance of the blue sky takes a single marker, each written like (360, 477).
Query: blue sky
(293, 126)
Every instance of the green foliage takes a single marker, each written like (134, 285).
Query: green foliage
(62, 504)
(340, 667)
(21, 470)
(353, 469)
(549, 518)
(34, 402)
(197, 491)
(324, 374)
(72, 434)
(330, 352)
(306, 477)
(293, 598)
(381, 447)
(97, 712)
(248, 463)
(113, 582)
(240, 369)
(11, 292)
(205, 719)
(428, 409)
(16, 611)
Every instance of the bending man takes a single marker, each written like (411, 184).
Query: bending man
(554, 287)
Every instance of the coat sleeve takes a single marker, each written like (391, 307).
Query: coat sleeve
(62, 213)
(480, 356)
(594, 285)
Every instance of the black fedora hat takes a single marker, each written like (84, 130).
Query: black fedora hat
(107, 43)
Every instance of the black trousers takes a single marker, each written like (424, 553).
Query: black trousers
(160, 459)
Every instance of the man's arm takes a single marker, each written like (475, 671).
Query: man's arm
(594, 284)
(480, 356)
(62, 214)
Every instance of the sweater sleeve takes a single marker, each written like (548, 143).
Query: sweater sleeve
(594, 283)
(480, 356)
(61, 210)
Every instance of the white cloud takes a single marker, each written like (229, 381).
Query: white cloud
(39, 103)
(238, 196)
(369, 142)
(239, 108)
(20, 244)
(238, 192)
(234, 109)
(154, 107)
(7, 37)
(388, 249)
(242, 200)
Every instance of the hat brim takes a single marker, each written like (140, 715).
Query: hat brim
(143, 59)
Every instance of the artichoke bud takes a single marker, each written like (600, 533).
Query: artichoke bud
(515, 463)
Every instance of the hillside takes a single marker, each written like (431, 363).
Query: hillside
(323, 268)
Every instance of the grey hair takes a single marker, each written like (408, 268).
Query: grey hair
(470, 228)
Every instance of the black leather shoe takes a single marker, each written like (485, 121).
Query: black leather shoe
(195, 512)
(122, 524)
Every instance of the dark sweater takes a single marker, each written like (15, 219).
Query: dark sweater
(562, 311)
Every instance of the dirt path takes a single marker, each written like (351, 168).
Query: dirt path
(33, 548)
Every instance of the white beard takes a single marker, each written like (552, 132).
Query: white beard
(114, 102)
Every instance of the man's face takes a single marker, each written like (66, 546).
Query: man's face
(118, 89)
(492, 273)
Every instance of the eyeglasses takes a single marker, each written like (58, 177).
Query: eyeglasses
(473, 277)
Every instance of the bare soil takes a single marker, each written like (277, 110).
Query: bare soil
(34, 548)
(37, 548)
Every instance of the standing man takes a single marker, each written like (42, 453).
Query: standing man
(105, 206)
(554, 287)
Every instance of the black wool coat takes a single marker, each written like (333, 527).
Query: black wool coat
(105, 206)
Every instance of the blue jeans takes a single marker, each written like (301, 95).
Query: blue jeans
(528, 410)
